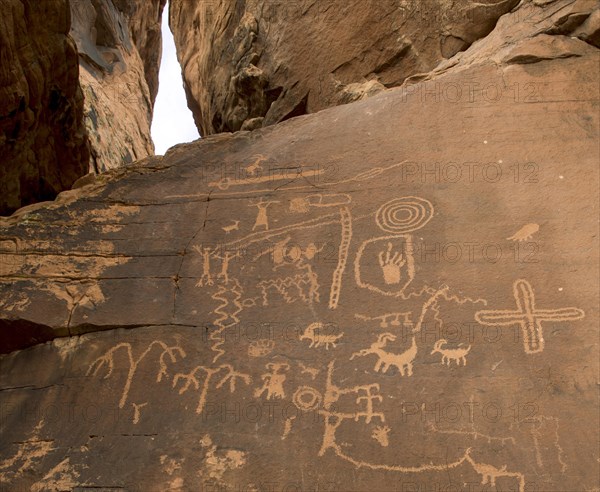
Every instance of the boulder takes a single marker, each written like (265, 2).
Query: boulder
(119, 44)
(43, 142)
(279, 59)
(395, 294)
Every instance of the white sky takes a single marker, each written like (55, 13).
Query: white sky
(172, 122)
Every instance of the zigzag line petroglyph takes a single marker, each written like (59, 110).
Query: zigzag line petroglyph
(233, 289)
(293, 288)
(336, 285)
(108, 360)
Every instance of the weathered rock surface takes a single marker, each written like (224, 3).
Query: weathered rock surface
(48, 136)
(394, 294)
(43, 146)
(254, 63)
(119, 43)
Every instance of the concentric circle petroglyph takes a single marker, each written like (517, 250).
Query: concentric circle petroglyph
(404, 215)
(307, 398)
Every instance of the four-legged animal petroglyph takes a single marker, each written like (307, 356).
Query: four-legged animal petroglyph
(524, 233)
(457, 355)
(235, 226)
(385, 359)
(316, 333)
(489, 474)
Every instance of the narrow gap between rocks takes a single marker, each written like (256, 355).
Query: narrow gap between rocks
(172, 122)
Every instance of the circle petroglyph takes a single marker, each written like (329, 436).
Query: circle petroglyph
(404, 215)
(307, 398)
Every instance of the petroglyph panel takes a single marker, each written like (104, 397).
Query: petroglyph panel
(314, 306)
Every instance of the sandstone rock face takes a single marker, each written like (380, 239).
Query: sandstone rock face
(43, 146)
(254, 63)
(48, 136)
(119, 43)
(396, 294)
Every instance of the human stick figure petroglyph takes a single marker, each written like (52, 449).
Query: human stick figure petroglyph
(262, 218)
(527, 316)
(231, 376)
(385, 359)
(457, 355)
(273, 381)
(108, 360)
(315, 332)
(207, 254)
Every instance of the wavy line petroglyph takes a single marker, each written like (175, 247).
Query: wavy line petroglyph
(528, 317)
(108, 360)
(229, 297)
